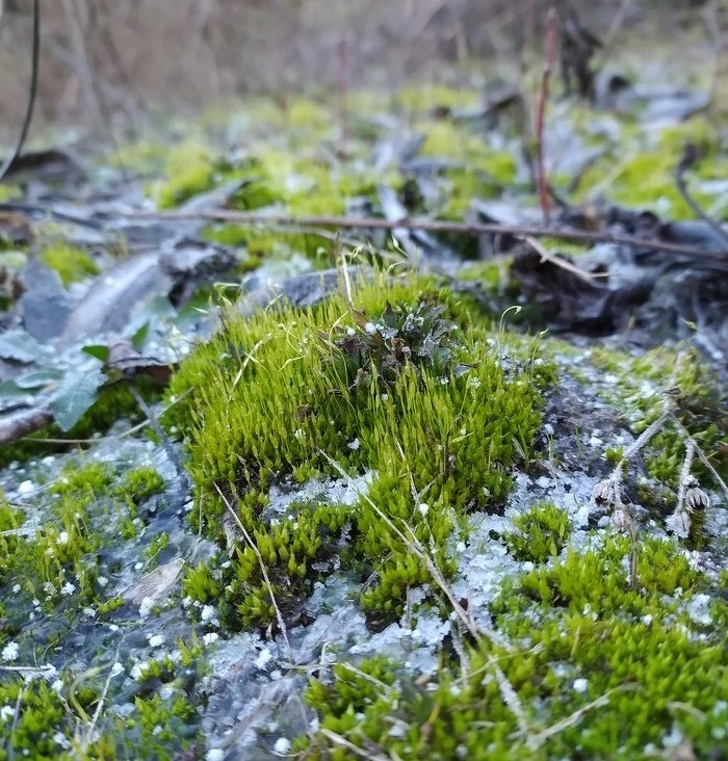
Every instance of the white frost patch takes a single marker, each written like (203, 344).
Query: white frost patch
(430, 630)
(282, 746)
(26, 487)
(673, 739)
(10, 652)
(207, 613)
(264, 658)
(544, 482)
(145, 608)
(333, 491)
(699, 609)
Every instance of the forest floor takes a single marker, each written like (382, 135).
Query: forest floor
(384, 423)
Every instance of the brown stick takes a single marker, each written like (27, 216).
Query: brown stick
(22, 423)
(429, 225)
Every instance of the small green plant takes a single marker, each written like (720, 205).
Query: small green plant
(540, 533)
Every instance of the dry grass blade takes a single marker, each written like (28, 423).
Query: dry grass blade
(342, 742)
(266, 580)
(537, 740)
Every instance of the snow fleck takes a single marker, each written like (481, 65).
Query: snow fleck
(263, 659)
(210, 638)
(60, 739)
(699, 609)
(282, 746)
(68, 589)
(26, 487)
(145, 608)
(580, 685)
(156, 640)
(354, 445)
(673, 739)
(10, 651)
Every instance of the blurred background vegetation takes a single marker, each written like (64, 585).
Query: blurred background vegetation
(135, 58)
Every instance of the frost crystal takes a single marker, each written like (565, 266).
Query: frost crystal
(10, 651)
(282, 746)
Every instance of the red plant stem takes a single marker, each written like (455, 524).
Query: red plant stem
(342, 86)
(549, 58)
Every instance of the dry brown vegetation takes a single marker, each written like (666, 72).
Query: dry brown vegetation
(127, 56)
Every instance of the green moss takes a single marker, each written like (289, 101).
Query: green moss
(303, 113)
(82, 483)
(203, 582)
(699, 406)
(646, 177)
(10, 519)
(70, 263)
(51, 569)
(190, 170)
(141, 483)
(583, 635)
(64, 722)
(163, 726)
(397, 387)
(540, 533)
(36, 712)
(426, 97)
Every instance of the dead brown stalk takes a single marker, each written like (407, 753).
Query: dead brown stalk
(543, 95)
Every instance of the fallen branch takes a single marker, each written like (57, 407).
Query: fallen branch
(429, 225)
(14, 427)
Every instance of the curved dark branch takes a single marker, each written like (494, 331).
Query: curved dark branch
(35, 56)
